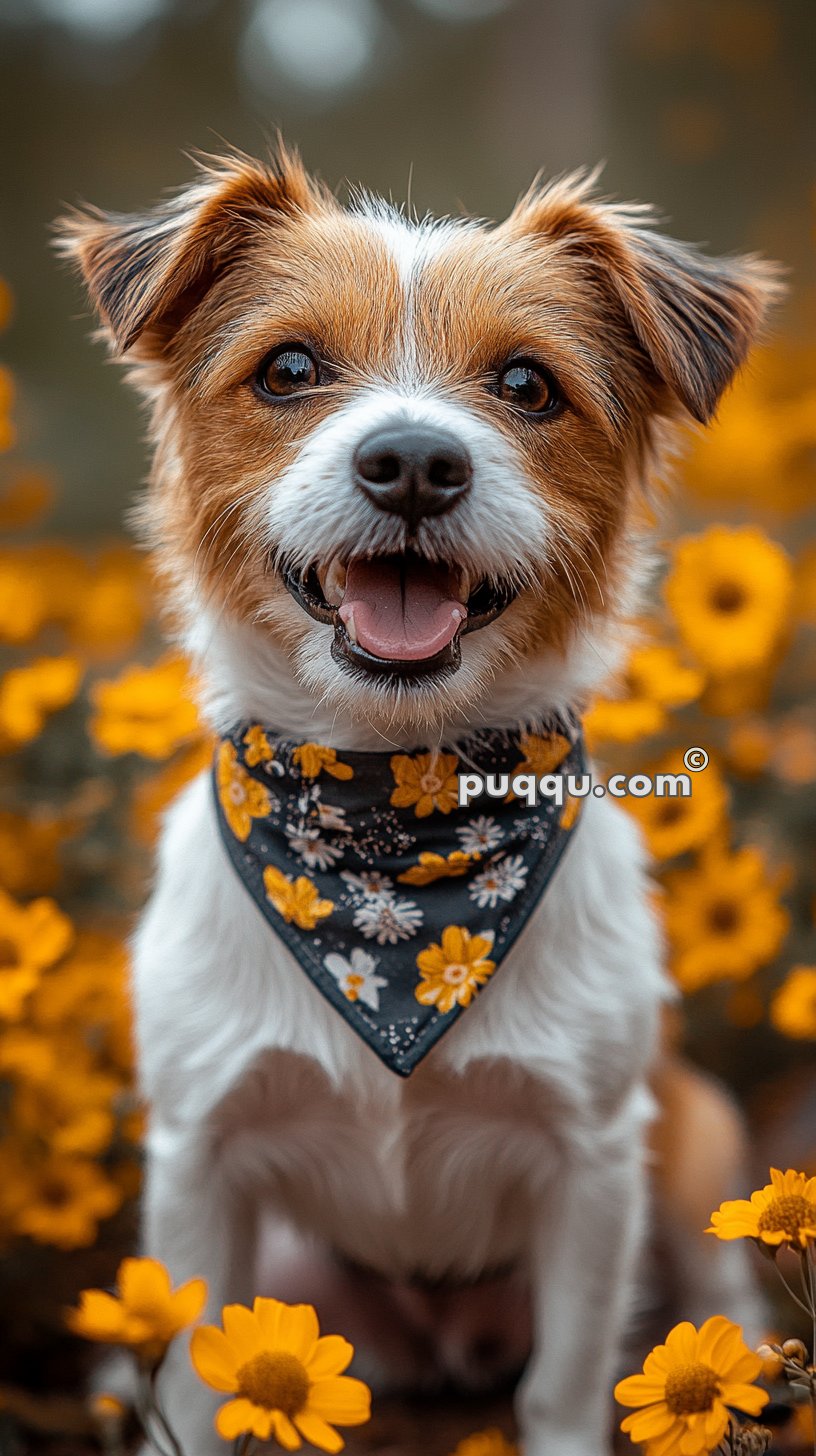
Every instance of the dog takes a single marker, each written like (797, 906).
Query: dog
(401, 483)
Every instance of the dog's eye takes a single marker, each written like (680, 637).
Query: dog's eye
(528, 387)
(287, 370)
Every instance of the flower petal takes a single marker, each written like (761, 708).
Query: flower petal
(214, 1358)
(243, 1331)
(238, 1416)
(318, 1432)
(298, 1329)
(143, 1282)
(747, 1398)
(285, 1432)
(342, 1399)
(640, 1390)
(188, 1301)
(331, 1356)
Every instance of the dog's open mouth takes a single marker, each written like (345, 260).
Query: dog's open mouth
(401, 616)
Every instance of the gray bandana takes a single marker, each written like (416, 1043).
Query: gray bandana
(398, 904)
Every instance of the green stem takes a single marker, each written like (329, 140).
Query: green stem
(806, 1308)
(164, 1424)
(809, 1272)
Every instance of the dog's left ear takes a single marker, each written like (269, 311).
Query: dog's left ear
(146, 272)
(694, 316)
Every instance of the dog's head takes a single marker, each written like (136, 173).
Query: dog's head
(409, 454)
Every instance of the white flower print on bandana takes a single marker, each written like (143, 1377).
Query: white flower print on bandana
(368, 885)
(316, 853)
(388, 920)
(479, 835)
(356, 977)
(501, 880)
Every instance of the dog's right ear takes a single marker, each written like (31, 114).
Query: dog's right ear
(146, 272)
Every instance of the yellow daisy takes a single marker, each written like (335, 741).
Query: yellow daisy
(146, 710)
(285, 1379)
(730, 593)
(433, 867)
(655, 681)
(241, 796)
(32, 938)
(681, 1400)
(28, 694)
(453, 972)
(674, 825)
(427, 781)
(793, 1009)
(783, 1212)
(723, 917)
(258, 747)
(313, 759)
(62, 1201)
(146, 1313)
(542, 754)
(298, 901)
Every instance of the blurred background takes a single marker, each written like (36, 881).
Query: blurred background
(706, 109)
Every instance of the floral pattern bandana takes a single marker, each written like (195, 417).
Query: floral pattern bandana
(398, 904)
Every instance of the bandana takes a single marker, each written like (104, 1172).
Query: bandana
(399, 905)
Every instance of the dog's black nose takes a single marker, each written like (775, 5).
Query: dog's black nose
(412, 471)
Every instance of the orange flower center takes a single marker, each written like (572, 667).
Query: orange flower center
(788, 1214)
(8, 953)
(728, 597)
(274, 1380)
(236, 791)
(455, 974)
(691, 1388)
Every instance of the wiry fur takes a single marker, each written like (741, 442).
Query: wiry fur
(521, 1136)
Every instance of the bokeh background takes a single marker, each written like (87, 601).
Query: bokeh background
(706, 109)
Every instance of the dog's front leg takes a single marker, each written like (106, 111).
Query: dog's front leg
(581, 1267)
(200, 1224)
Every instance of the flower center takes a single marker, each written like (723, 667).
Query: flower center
(728, 596)
(723, 916)
(788, 1214)
(430, 783)
(274, 1380)
(8, 953)
(455, 974)
(691, 1388)
(237, 792)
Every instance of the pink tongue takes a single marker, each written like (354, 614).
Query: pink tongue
(401, 608)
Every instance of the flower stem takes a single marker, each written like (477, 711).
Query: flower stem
(806, 1308)
(809, 1277)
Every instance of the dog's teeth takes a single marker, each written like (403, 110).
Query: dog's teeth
(348, 623)
(333, 582)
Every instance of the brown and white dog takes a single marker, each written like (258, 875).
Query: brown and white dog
(332, 391)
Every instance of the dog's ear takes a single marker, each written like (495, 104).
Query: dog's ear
(145, 272)
(695, 317)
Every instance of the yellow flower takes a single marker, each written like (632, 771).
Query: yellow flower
(62, 1200)
(25, 499)
(285, 1379)
(426, 780)
(673, 825)
(313, 758)
(297, 901)
(22, 601)
(147, 710)
(723, 917)
(783, 1212)
(32, 937)
(655, 680)
(542, 755)
(730, 592)
(793, 1009)
(486, 1443)
(110, 613)
(258, 747)
(681, 1400)
(748, 747)
(28, 694)
(241, 796)
(29, 850)
(146, 1313)
(438, 867)
(454, 971)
